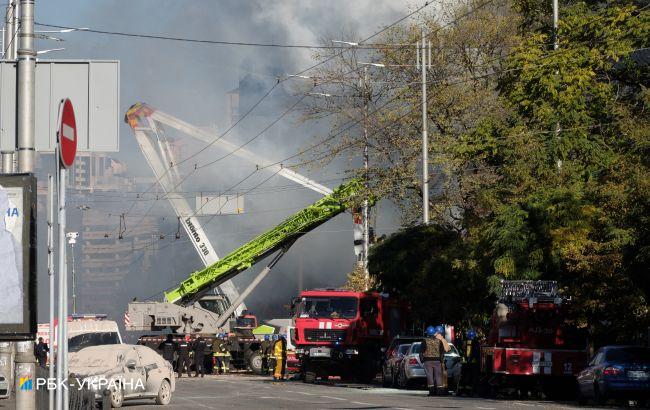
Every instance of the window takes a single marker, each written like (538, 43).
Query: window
(598, 358)
(369, 307)
(78, 342)
(628, 355)
(325, 307)
(402, 349)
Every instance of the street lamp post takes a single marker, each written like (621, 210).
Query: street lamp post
(72, 239)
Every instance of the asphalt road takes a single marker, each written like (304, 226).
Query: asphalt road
(255, 392)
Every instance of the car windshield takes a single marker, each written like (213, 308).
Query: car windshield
(217, 306)
(402, 349)
(245, 322)
(332, 308)
(78, 342)
(628, 355)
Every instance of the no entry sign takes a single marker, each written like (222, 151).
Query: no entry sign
(67, 133)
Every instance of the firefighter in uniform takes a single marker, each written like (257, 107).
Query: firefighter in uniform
(272, 359)
(265, 350)
(184, 360)
(219, 350)
(280, 353)
(168, 348)
(232, 345)
(432, 356)
(473, 358)
(199, 346)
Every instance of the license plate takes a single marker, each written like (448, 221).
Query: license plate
(319, 352)
(637, 375)
(544, 364)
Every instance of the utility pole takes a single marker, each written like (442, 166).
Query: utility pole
(366, 228)
(9, 53)
(556, 45)
(50, 272)
(426, 51)
(25, 88)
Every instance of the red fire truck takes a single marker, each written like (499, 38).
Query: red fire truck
(341, 332)
(530, 346)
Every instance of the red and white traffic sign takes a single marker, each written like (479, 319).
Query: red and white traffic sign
(67, 133)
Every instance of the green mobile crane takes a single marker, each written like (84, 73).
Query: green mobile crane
(189, 309)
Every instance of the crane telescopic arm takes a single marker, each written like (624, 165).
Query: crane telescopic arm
(277, 238)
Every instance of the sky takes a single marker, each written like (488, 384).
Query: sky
(190, 81)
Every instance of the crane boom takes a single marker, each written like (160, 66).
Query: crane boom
(252, 252)
(148, 125)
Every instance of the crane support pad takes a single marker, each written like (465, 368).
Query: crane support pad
(247, 255)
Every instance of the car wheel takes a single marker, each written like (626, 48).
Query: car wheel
(164, 393)
(401, 379)
(117, 397)
(582, 400)
(385, 381)
(599, 398)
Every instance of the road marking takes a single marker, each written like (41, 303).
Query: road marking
(524, 404)
(361, 403)
(334, 398)
(486, 408)
(305, 393)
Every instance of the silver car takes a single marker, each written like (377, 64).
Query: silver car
(411, 371)
(127, 371)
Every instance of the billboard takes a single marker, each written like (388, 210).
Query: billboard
(92, 86)
(18, 256)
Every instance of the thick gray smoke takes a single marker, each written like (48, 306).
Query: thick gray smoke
(190, 81)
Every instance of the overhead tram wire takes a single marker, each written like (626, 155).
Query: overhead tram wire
(215, 42)
(322, 62)
(350, 125)
(282, 80)
(353, 123)
(340, 132)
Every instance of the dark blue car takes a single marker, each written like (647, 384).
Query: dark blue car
(616, 372)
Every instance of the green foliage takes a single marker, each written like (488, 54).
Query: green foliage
(540, 161)
(430, 267)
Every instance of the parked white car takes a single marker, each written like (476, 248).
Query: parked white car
(411, 371)
(127, 371)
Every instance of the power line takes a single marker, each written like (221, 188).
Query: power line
(269, 92)
(215, 42)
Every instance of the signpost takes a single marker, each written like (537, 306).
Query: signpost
(67, 148)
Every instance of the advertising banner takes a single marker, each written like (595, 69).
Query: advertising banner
(17, 257)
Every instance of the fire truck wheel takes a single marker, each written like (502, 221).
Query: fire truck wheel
(310, 377)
